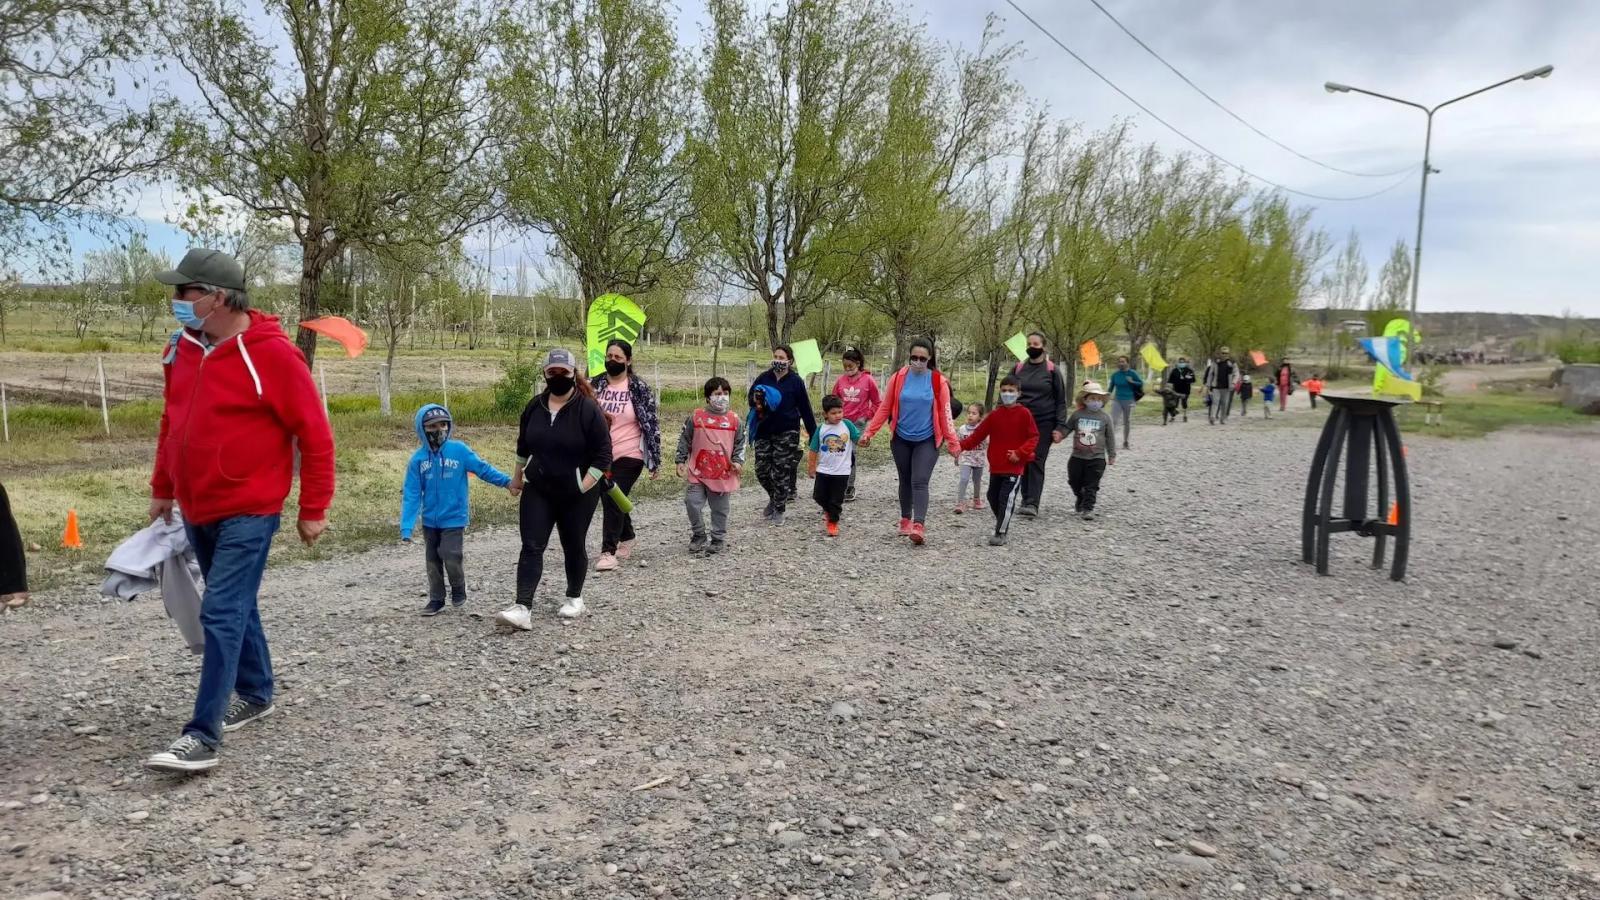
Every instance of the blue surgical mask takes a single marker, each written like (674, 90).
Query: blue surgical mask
(183, 311)
(1093, 405)
(1008, 397)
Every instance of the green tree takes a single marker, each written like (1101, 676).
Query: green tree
(374, 135)
(1393, 290)
(595, 104)
(76, 122)
(129, 272)
(913, 243)
(792, 102)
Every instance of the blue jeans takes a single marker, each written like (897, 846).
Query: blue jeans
(232, 555)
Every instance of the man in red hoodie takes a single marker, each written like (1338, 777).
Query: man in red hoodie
(239, 402)
(1013, 438)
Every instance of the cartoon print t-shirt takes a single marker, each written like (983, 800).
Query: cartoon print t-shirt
(835, 447)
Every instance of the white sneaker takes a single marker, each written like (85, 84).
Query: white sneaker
(606, 563)
(516, 616)
(571, 609)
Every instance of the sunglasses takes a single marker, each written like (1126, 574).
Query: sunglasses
(919, 359)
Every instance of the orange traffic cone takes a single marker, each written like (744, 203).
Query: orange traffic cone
(1394, 513)
(71, 539)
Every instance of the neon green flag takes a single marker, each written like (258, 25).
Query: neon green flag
(1152, 357)
(1382, 381)
(807, 358)
(1018, 345)
(611, 316)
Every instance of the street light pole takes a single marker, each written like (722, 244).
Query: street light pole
(1334, 87)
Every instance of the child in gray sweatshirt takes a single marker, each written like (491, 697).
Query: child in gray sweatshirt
(1094, 446)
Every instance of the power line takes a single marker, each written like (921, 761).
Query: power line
(1240, 119)
(1180, 133)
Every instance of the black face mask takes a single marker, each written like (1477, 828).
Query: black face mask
(559, 385)
(1035, 352)
(614, 368)
(436, 439)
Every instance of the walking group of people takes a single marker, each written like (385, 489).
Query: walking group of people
(1225, 381)
(242, 415)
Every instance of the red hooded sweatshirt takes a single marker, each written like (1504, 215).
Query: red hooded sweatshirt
(1007, 428)
(231, 423)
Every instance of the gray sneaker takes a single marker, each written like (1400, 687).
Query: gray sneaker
(715, 547)
(243, 712)
(187, 754)
(997, 540)
(777, 517)
(697, 544)
(1030, 512)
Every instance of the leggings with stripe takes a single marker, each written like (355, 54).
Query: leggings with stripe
(1005, 492)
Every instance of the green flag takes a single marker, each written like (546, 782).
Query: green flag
(1018, 345)
(807, 358)
(612, 316)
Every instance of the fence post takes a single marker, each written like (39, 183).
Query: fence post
(105, 412)
(322, 381)
(827, 370)
(5, 412)
(749, 372)
(658, 382)
(384, 405)
(444, 385)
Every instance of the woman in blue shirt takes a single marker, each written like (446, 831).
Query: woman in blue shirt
(1126, 386)
(917, 403)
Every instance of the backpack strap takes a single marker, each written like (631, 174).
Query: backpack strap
(171, 353)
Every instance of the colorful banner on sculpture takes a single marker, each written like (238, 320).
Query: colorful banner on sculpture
(807, 357)
(1018, 345)
(1152, 357)
(341, 330)
(1391, 379)
(1089, 353)
(1398, 384)
(611, 317)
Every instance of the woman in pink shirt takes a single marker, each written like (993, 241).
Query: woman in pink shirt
(635, 445)
(859, 391)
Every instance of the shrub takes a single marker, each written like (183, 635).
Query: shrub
(1578, 351)
(515, 387)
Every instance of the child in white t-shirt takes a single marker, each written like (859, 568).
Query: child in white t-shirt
(971, 463)
(833, 450)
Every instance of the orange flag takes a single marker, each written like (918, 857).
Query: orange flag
(339, 329)
(1257, 357)
(1089, 353)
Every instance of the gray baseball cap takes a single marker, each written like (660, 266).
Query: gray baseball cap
(562, 357)
(205, 267)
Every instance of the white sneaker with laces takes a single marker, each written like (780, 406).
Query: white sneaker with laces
(571, 609)
(516, 616)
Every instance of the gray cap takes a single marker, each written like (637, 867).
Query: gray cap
(560, 356)
(206, 267)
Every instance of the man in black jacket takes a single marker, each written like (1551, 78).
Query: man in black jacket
(1044, 394)
(1219, 381)
(1181, 377)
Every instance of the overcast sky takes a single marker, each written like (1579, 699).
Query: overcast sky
(1513, 218)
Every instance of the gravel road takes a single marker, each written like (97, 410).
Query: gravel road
(1162, 703)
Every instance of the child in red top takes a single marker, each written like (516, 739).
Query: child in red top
(1012, 436)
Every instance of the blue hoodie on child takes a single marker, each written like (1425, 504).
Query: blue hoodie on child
(436, 480)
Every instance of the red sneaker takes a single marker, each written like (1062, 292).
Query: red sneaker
(976, 503)
(917, 533)
(833, 529)
(905, 527)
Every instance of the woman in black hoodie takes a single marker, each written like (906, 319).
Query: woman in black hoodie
(563, 451)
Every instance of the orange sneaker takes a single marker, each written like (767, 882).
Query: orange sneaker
(833, 529)
(905, 527)
(917, 533)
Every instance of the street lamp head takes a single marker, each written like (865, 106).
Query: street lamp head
(1541, 72)
(1334, 87)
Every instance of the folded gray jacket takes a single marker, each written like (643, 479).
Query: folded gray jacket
(159, 556)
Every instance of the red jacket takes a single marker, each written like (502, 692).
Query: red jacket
(1007, 428)
(231, 424)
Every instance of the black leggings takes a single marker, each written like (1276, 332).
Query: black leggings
(569, 514)
(914, 461)
(13, 565)
(615, 527)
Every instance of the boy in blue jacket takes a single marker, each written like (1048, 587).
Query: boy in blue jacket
(436, 485)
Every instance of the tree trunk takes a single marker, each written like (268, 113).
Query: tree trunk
(902, 333)
(992, 380)
(773, 338)
(314, 254)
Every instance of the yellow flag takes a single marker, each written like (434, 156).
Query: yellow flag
(1152, 357)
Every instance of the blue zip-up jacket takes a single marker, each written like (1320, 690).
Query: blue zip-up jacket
(436, 481)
